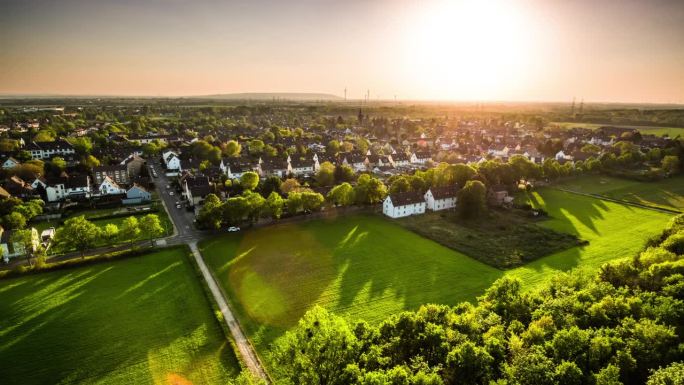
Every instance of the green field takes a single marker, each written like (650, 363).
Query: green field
(143, 320)
(653, 130)
(368, 267)
(667, 193)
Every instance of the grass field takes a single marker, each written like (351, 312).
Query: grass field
(667, 193)
(143, 320)
(653, 130)
(502, 239)
(368, 267)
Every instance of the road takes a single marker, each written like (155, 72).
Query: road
(186, 233)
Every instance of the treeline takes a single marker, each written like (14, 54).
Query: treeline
(621, 326)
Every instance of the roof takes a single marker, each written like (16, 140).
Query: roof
(406, 198)
(444, 192)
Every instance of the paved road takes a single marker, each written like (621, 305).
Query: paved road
(186, 233)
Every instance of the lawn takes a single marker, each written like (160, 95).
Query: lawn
(666, 193)
(500, 238)
(653, 130)
(367, 267)
(143, 320)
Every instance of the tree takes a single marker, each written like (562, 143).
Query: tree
(211, 213)
(110, 232)
(130, 230)
(369, 190)
(91, 161)
(275, 203)
(151, 227)
(289, 185)
(318, 350)
(471, 200)
(326, 174)
(232, 148)
(342, 195)
(671, 164)
(400, 185)
(82, 145)
(235, 209)
(59, 163)
(256, 147)
(249, 180)
(312, 201)
(14, 221)
(271, 184)
(344, 173)
(24, 238)
(78, 233)
(256, 204)
(294, 202)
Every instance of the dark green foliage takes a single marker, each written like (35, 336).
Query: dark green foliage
(618, 327)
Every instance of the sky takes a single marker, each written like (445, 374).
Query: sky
(476, 50)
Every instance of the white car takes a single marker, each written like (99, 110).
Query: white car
(233, 229)
(178, 206)
(171, 193)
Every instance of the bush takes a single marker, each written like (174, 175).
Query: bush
(675, 243)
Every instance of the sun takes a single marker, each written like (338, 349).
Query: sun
(468, 49)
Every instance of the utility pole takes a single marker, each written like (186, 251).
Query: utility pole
(572, 109)
(581, 106)
(345, 94)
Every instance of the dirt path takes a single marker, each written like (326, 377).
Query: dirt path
(245, 348)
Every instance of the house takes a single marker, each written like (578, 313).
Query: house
(196, 188)
(441, 198)
(273, 167)
(498, 196)
(48, 150)
(118, 173)
(171, 161)
(301, 167)
(17, 187)
(137, 194)
(76, 187)
(403, 204)
(134, 164)
(11, 249)
(421, 157)
(357, 161)
(9, 163)
(109, 187)
(400, 159)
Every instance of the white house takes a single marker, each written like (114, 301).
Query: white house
(67, 187)
(301, 167)
(48, 150)
(110, 187)
(9, 163)
(421, 157)
(440, 198)
(399, 159)
(403, 205)
(171, 161)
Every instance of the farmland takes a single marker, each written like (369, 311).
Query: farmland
(667, 193)
(652, 130)
(368, 267)
(139, 321)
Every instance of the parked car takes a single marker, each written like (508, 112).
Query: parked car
(178, 206)
(233, 229)
(171, 193)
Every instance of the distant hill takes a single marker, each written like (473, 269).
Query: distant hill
(266, 96)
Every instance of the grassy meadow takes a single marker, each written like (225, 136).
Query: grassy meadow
(666, 193)
(368, 267)
(142, 320)
(652, 130)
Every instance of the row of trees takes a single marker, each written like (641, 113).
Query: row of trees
(81, 235)
(622, 326)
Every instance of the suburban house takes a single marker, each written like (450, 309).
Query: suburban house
(441, 198)
(118, 173)
(403, 204)
(171, 161)
(17, 187)
(196, 188)
(301, 167)
(134, 164)
(137, 194)
(9, 163)
(273, 167)
(421, 157)
(399, 159)
(48, 150)
(12, 249)
(77, 187)
(109, 187)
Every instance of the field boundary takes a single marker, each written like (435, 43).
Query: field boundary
(619, 201)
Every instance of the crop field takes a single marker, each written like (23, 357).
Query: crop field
(667, 193)
(142, 320)
(367, 267)
(652, 130)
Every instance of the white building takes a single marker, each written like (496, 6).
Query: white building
(9, 163)
(67, 187)
(301, 167)
(440, 198)
(11, 249)
(48, 150)
(403, 205)
(171, 161)
(110, 187)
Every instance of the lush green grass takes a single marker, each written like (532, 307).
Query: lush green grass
(143, 320)
(503, 239)
(667, 193)
(653, 130)
(368, 267)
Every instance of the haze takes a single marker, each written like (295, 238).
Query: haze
(523, 50)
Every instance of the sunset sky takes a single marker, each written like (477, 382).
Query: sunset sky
(520, 50)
